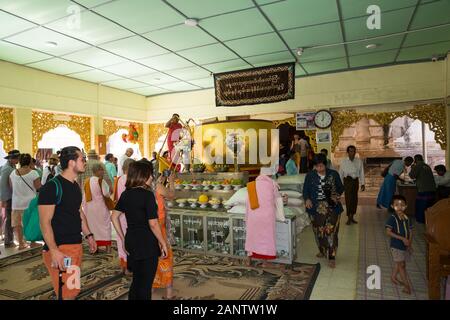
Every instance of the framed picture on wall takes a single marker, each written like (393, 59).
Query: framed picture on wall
(323, 136)
(305, 120)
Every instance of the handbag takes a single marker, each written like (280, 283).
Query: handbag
(110, 204)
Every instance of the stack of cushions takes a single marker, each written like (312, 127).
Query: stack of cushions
(292, 186)
(238, 201)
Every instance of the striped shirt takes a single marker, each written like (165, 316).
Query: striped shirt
(321, 188)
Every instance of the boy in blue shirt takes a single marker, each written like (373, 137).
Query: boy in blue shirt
(399, 229)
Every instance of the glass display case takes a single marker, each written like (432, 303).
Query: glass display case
(175, 220)
(206, 227)
(238, 236)
(218, 234)
(193, 231)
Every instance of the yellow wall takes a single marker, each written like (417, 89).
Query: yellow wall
(26, 89)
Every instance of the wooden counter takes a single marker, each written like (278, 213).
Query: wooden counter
(409, 191)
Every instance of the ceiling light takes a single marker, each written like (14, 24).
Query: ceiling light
(300, 51)
(51, 44)
(191, 22)
(372, 46)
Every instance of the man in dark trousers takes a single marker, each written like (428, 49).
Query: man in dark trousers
(351, 171)
(426, 186)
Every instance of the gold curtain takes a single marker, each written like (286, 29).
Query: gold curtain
(431, 114)
(310, 133)
(42, 122)
(7, 128)
(155, 131)
(110, 127)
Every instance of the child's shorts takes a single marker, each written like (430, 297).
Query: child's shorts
(399, 255)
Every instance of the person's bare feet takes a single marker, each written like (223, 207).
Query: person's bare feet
(396, 281)
(35, 245)
(320, 255)
(407, 290)
(332, 264)
(23, 246)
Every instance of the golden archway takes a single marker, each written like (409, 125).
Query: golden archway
(155, 131)
(7, 128)
(311, 134)
(112, 126)
(42, 122)
(431, 114)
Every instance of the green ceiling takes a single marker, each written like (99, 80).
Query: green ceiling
(144, 47)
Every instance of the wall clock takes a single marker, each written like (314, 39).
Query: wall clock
(323, 119)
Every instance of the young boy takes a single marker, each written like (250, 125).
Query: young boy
(399, 228)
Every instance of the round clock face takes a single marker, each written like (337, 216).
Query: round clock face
(323, 119)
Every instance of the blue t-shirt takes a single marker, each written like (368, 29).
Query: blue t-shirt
(401, 227)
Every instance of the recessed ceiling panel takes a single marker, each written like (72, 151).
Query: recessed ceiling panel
(294, 13)
(136, 47)
(267, 43)
(205, 8)
(208, 54)
(40, 11)
(166, 62)
(329, 33)
(47, 41)
(124, 84)
(237, 25)
(189, 73)
(11, 24)
(372, 59)
(326, 65)
(96, 76)
(180, 37)
(90, 28)
(358, 8)
(13, 53)
(94, 57)
(142, 15)
(129, 69)
(58, 66)
(149, 91)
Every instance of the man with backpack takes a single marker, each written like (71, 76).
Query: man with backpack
(62, 221)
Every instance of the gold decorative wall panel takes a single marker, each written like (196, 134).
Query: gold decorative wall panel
(431, 114)
(155, 131)
(42, 122)
(112, 126)
(7, 128)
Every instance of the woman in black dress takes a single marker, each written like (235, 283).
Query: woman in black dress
(143, 242)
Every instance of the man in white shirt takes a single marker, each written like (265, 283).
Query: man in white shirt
(128, 153)
(351, 171)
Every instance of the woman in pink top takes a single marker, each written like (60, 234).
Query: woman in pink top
(118, 191)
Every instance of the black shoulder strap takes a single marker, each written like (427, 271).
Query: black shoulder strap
(18, 173)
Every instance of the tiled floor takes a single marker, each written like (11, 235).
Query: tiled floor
(375, 250)
(360, 246)
(338, 283)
